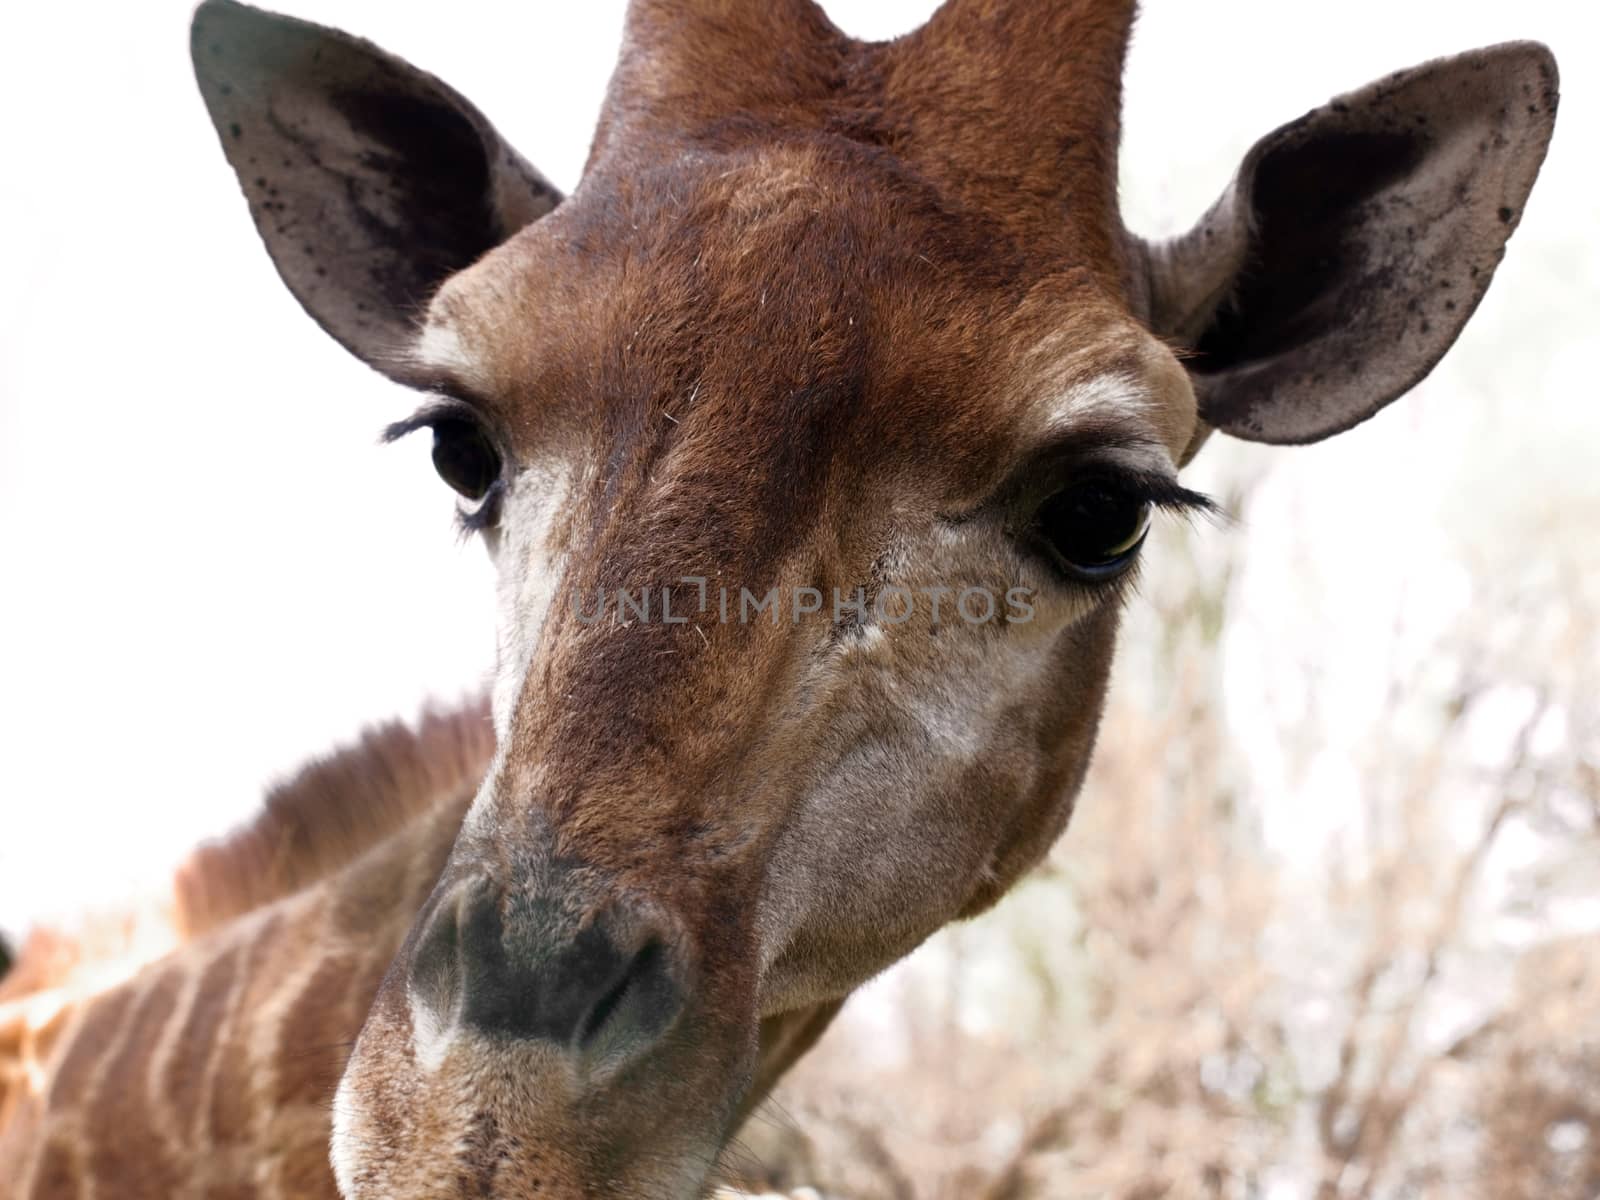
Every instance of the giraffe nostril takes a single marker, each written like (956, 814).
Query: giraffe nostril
(603, 989)
(436, 968)
(640, 1001)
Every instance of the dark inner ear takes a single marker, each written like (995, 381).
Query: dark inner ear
(1354, 244)
(370, 182)
(1311, 201)
(446, 191)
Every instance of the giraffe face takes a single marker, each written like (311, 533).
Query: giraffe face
(815, 438)
(770, 711)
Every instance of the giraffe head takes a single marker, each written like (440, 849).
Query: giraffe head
(814, 437)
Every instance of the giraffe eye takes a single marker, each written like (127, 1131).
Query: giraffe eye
(1094, 529)
(465, 457)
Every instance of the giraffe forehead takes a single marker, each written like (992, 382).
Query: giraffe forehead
(754, 256)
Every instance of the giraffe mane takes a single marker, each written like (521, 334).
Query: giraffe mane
(323, 817)
(331, 811)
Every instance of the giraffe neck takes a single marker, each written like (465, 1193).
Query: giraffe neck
(211, 1070)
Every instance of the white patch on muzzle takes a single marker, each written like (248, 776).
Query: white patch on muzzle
(530, 567)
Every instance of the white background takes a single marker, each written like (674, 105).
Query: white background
(210, 568)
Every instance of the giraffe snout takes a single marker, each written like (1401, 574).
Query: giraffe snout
(602, 985)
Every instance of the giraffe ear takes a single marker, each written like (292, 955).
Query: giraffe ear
(1354, 243)
(370, 181)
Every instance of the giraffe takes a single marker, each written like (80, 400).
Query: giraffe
(829, 334)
